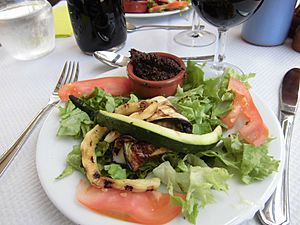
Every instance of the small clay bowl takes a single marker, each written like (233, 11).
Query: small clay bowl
(135, 6)
(150, 88)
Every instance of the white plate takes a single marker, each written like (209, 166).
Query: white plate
(150, 15)
(239, 204)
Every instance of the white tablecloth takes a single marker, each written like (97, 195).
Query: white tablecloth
(26, 86)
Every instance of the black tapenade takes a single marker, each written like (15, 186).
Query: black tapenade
(151, 66)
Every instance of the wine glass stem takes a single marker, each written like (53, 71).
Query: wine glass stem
(220, 49)
(195, 23)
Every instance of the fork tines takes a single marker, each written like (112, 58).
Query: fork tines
(72, 68)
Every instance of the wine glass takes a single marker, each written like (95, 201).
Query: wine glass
(224, 14)
(197, 37)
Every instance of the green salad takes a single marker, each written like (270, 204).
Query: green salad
(203, 102)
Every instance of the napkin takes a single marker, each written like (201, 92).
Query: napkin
(62, 22)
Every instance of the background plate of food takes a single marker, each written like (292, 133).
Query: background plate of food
(153, 8)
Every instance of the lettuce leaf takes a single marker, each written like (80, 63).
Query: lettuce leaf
(203, 102)
(196, 76)
(250, 163)
(101, 100)
(76, 123)
(73, 121)
(115, 171)
(196, 182)
(256, 163)
(73, 163)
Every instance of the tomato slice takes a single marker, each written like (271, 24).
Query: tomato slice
(150, 207)
(158, 8)
(117, 86)
(254, 131)
(177, 5)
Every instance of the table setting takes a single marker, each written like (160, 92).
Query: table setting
(53, 54)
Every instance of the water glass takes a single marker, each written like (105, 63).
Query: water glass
(27, 28)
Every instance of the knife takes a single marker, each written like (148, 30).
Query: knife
(276, 210)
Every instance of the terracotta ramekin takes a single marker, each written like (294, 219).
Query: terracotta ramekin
(149, 88)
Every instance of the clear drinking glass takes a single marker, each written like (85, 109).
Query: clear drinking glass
(197, 36)
(26, 28)
(224, 14)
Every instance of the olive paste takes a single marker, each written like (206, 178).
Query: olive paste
(151, 66)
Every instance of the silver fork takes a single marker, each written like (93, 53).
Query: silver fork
(69, 74)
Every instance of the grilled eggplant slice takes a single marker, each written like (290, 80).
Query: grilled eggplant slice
(167, 116)
(137, 152)
(118, 156)
(89, 162)
(118, 151)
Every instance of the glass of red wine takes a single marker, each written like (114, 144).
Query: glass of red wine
(224, 14)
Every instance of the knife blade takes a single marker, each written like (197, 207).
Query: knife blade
(290, 91)
(276, 210)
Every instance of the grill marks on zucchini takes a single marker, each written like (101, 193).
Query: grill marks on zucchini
(89, 162)
(88, 155)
